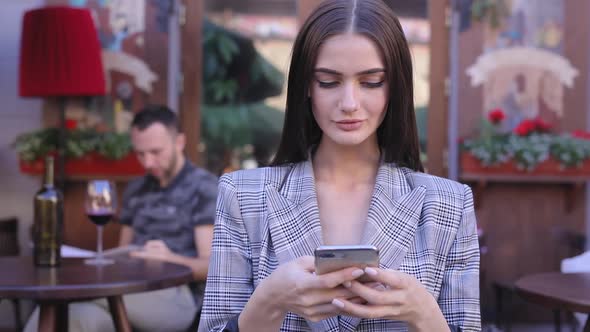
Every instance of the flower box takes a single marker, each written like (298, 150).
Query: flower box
(472, 165)
(90, 164)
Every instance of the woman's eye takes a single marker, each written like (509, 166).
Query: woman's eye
(327, 84)
(372, 84)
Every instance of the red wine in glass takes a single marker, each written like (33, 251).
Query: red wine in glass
(100, 218)
(100, 205)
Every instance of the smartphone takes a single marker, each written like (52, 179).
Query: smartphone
(334, 258)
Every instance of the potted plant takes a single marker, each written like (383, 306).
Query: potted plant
(87, 152)
(530, 148)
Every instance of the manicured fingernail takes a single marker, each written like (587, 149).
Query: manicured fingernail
(357, 273)
(347, 284)
(380, 288)
(338, 303)
(370, 271)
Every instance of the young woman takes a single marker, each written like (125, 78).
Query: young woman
(347, 172)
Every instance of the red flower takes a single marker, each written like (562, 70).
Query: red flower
(525, 128)
(542, 126)
(529, 126)
(581, 134)
(71, 124)
(496, 116)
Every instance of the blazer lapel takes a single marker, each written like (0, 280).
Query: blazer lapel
(293, 215)
(294, 223)
(394, 214)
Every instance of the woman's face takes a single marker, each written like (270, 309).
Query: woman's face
(348, 90)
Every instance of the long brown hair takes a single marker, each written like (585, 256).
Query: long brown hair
(397, 135)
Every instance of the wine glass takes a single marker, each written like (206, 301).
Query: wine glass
(100, 205)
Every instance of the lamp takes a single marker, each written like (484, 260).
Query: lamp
(60, 56)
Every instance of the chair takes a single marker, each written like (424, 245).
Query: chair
(9, 247)
(9, 236)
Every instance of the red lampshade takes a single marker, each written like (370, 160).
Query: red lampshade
(60, 54)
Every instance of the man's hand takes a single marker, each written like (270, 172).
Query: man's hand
(154, 249)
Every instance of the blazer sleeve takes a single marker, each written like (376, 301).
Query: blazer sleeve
(459, 295)
(229, 279)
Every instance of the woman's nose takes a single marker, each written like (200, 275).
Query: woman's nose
(349, 101)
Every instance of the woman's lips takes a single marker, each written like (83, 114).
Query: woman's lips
(349, 125)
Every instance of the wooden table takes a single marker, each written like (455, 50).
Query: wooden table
(54, 288)
(565, 291)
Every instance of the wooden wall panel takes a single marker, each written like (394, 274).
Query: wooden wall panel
(438, 102)
(305, 7)
(266, 7)
(191, 60)
(470, 98)
(155, 55)
(576, 50)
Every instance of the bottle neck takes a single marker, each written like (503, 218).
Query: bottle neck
(48, 180)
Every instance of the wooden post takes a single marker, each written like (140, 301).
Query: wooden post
(191, 62)
(436, 146)
(304, 8)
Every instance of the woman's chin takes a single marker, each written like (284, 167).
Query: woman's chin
(349, 140)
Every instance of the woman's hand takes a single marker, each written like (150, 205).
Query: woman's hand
(403, 298)
(294, 287)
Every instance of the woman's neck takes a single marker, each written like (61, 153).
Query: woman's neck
(345, 165)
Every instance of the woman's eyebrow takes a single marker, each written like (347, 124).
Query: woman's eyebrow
(326, 71)
(364, 72)
(371, 71)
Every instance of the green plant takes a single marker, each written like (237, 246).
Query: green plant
(492, 10)
(233, 71)
(79, 142)
(236, 80)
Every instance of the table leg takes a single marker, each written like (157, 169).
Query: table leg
(119, 314)
(53, 316)
(557, 319)
(48, 317)
(62, 316)
(17, 315)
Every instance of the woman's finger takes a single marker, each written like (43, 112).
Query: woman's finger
(307, 263)
(315, 297)
(336, 278)
(376, 295)
(357, 300)
(319, 312)
(390, 278)
(362, 310)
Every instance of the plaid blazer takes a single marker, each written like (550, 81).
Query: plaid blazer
(423, 225)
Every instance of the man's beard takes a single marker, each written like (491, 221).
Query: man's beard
(169, 172)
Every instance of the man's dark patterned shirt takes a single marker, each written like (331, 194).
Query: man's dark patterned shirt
(171, 214)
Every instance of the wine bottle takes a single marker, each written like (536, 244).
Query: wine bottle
(48, 221)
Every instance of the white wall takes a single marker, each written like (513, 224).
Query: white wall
(17, 115)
